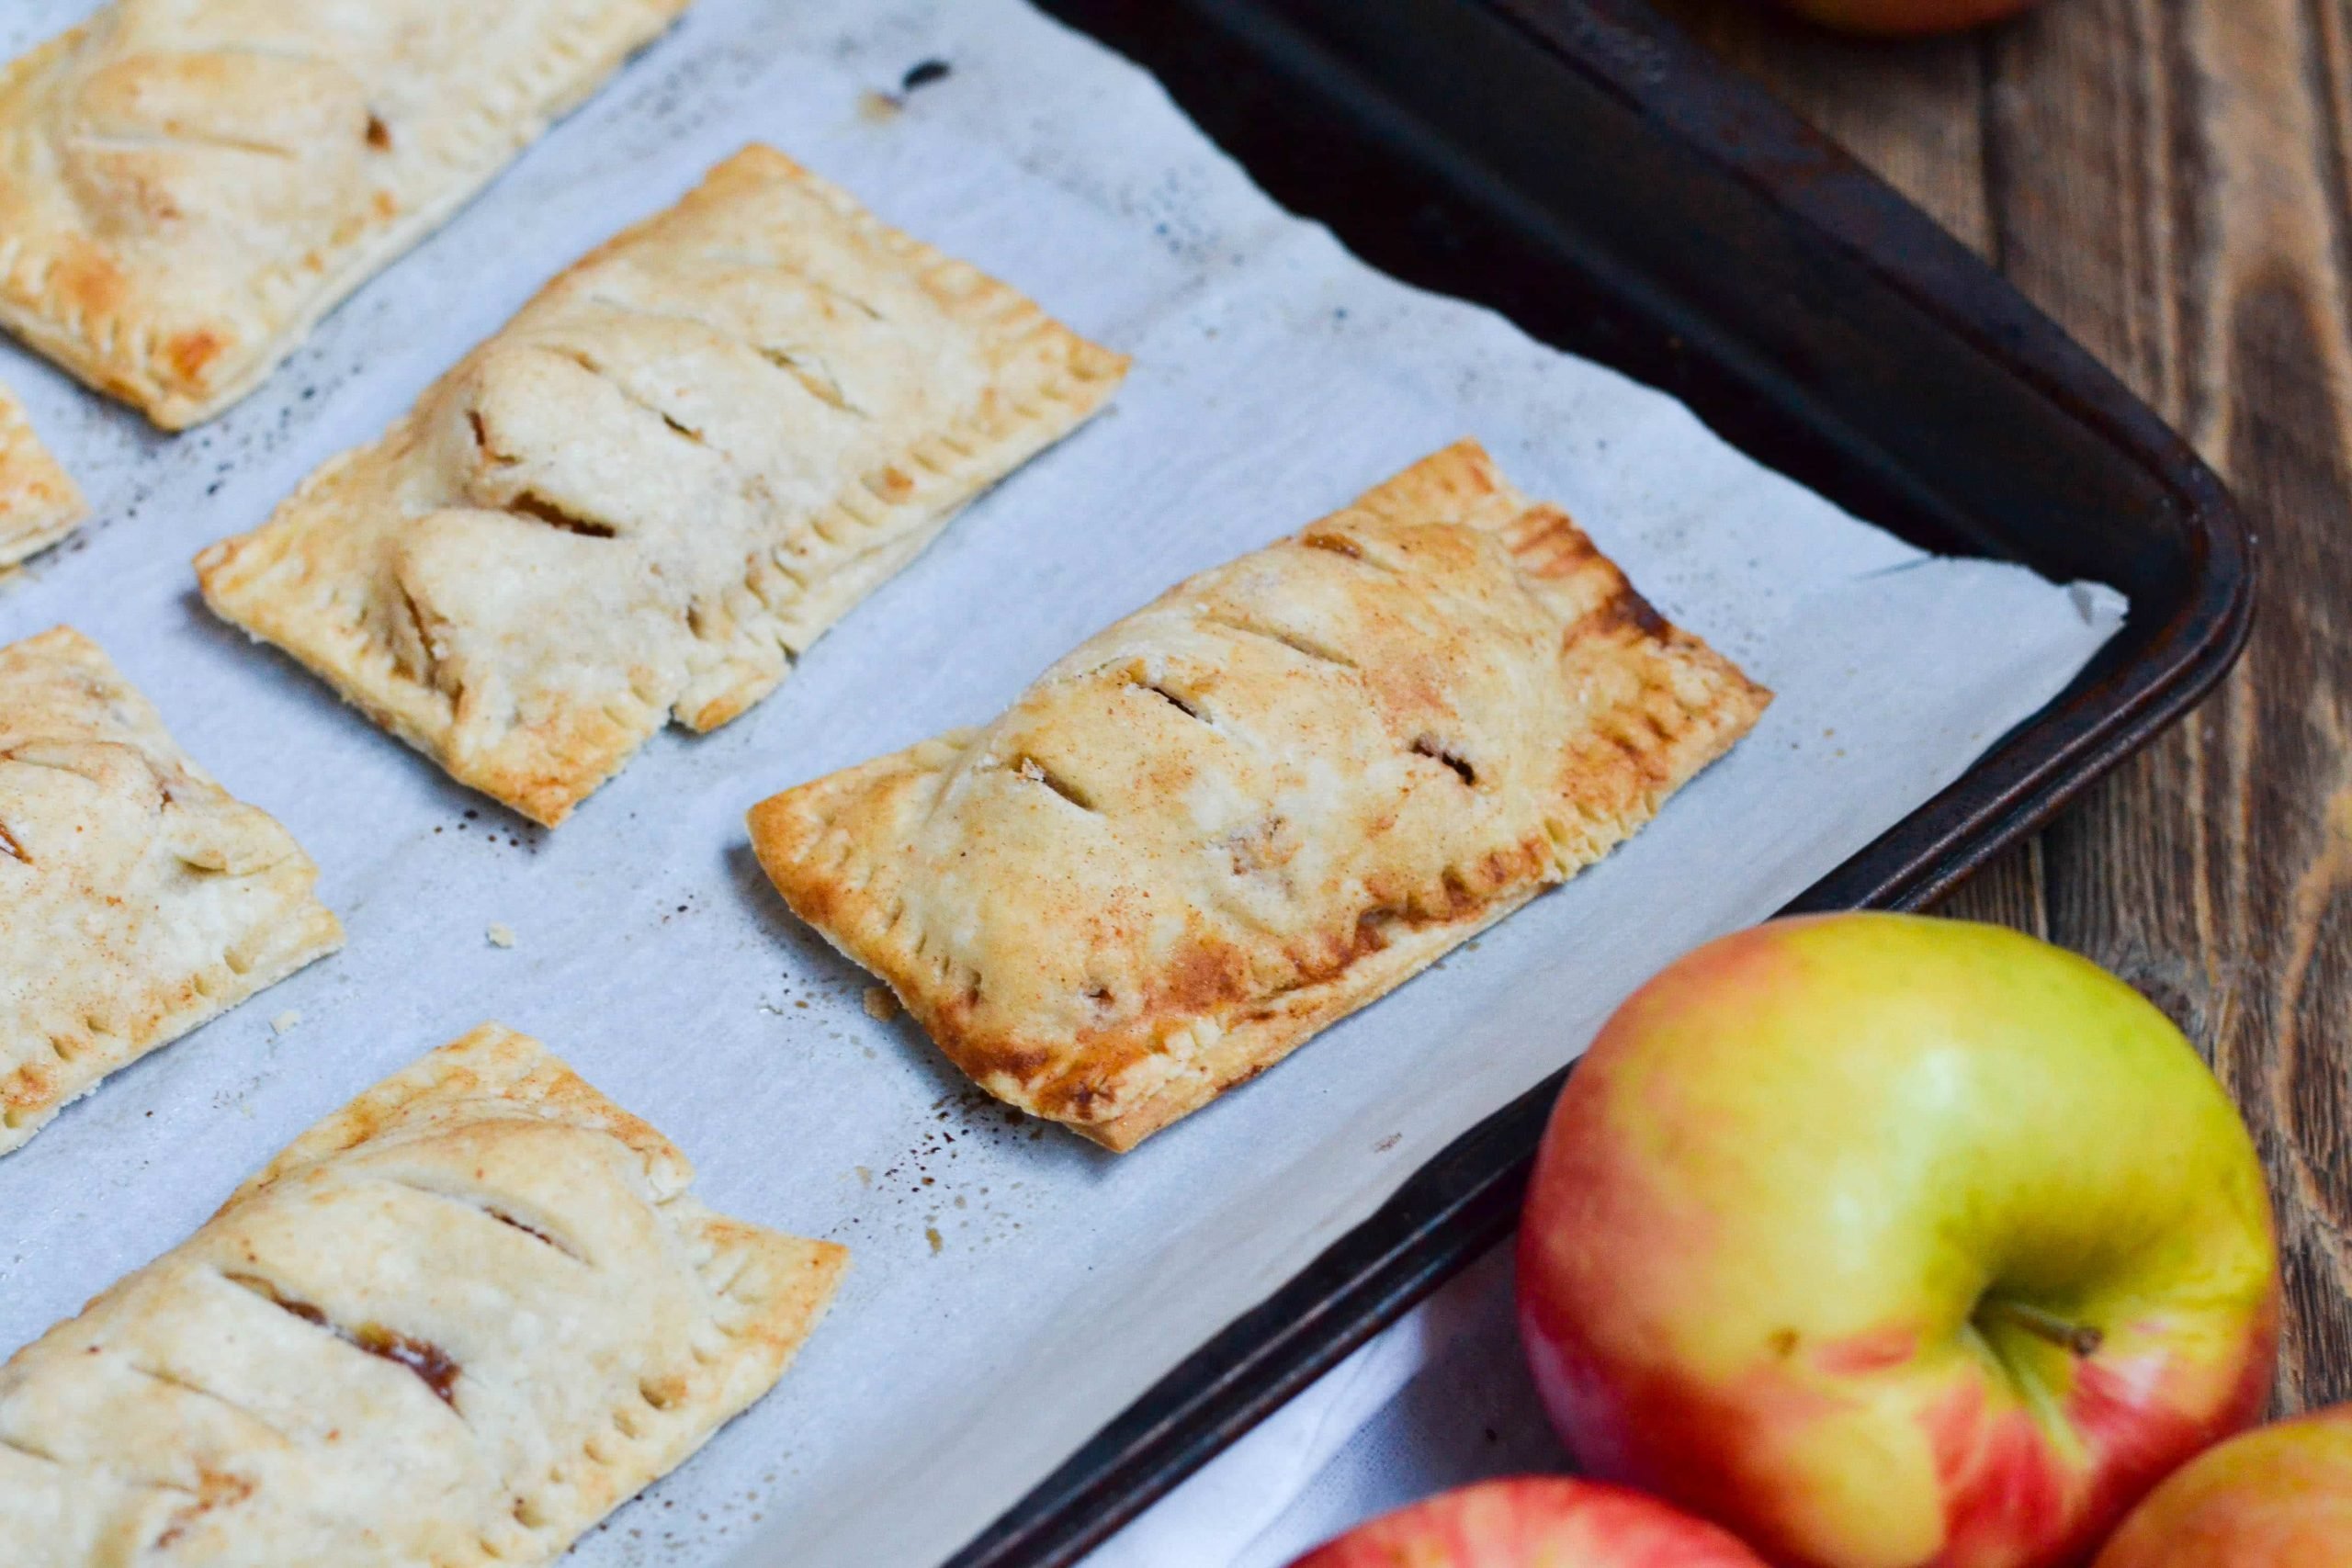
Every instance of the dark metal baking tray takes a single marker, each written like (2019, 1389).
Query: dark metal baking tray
(1581, 166)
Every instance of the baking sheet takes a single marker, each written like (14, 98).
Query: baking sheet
(1439, 1399)
(1012, 1287)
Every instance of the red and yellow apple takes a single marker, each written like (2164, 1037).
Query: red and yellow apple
(2278, 1498)
(1534, 1522)
(1890, 1242)
(1900, 19)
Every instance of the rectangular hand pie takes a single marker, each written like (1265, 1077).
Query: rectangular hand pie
(40, 503)
(456, 1322)
(1260, 802)
(187, 186)
(137, 897)
(642, 500)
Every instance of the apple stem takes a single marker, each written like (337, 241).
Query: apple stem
(2080, 1338)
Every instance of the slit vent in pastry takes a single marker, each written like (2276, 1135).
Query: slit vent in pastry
(1262, 802)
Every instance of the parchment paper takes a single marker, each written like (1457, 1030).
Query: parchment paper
(1013, 1288)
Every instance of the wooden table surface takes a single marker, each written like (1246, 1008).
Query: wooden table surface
(2171, 180)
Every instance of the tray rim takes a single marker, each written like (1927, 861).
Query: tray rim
(1465, 1200)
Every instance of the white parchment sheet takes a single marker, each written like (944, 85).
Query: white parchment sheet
(1014, 1288)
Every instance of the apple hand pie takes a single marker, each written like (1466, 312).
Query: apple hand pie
(456, 1322)
(187, 186)
(1262, 802)
(645, 497)
(40, 503)
(137, 897)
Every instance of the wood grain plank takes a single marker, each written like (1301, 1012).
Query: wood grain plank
(1912, 112)
(2224, 860)
(2168, 178)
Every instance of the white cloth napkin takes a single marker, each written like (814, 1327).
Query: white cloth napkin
(1440, 1400)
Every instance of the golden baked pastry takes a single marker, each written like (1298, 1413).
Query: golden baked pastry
(1260, 802)
(137, 897)
(187, 186)
(676, 467)
(456, 1322)
(40, 503)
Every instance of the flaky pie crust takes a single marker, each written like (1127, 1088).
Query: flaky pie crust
(187, 186)
(40, 503)
(456, 1322)
(138, 898)
(687, 459)
(1262, 802)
